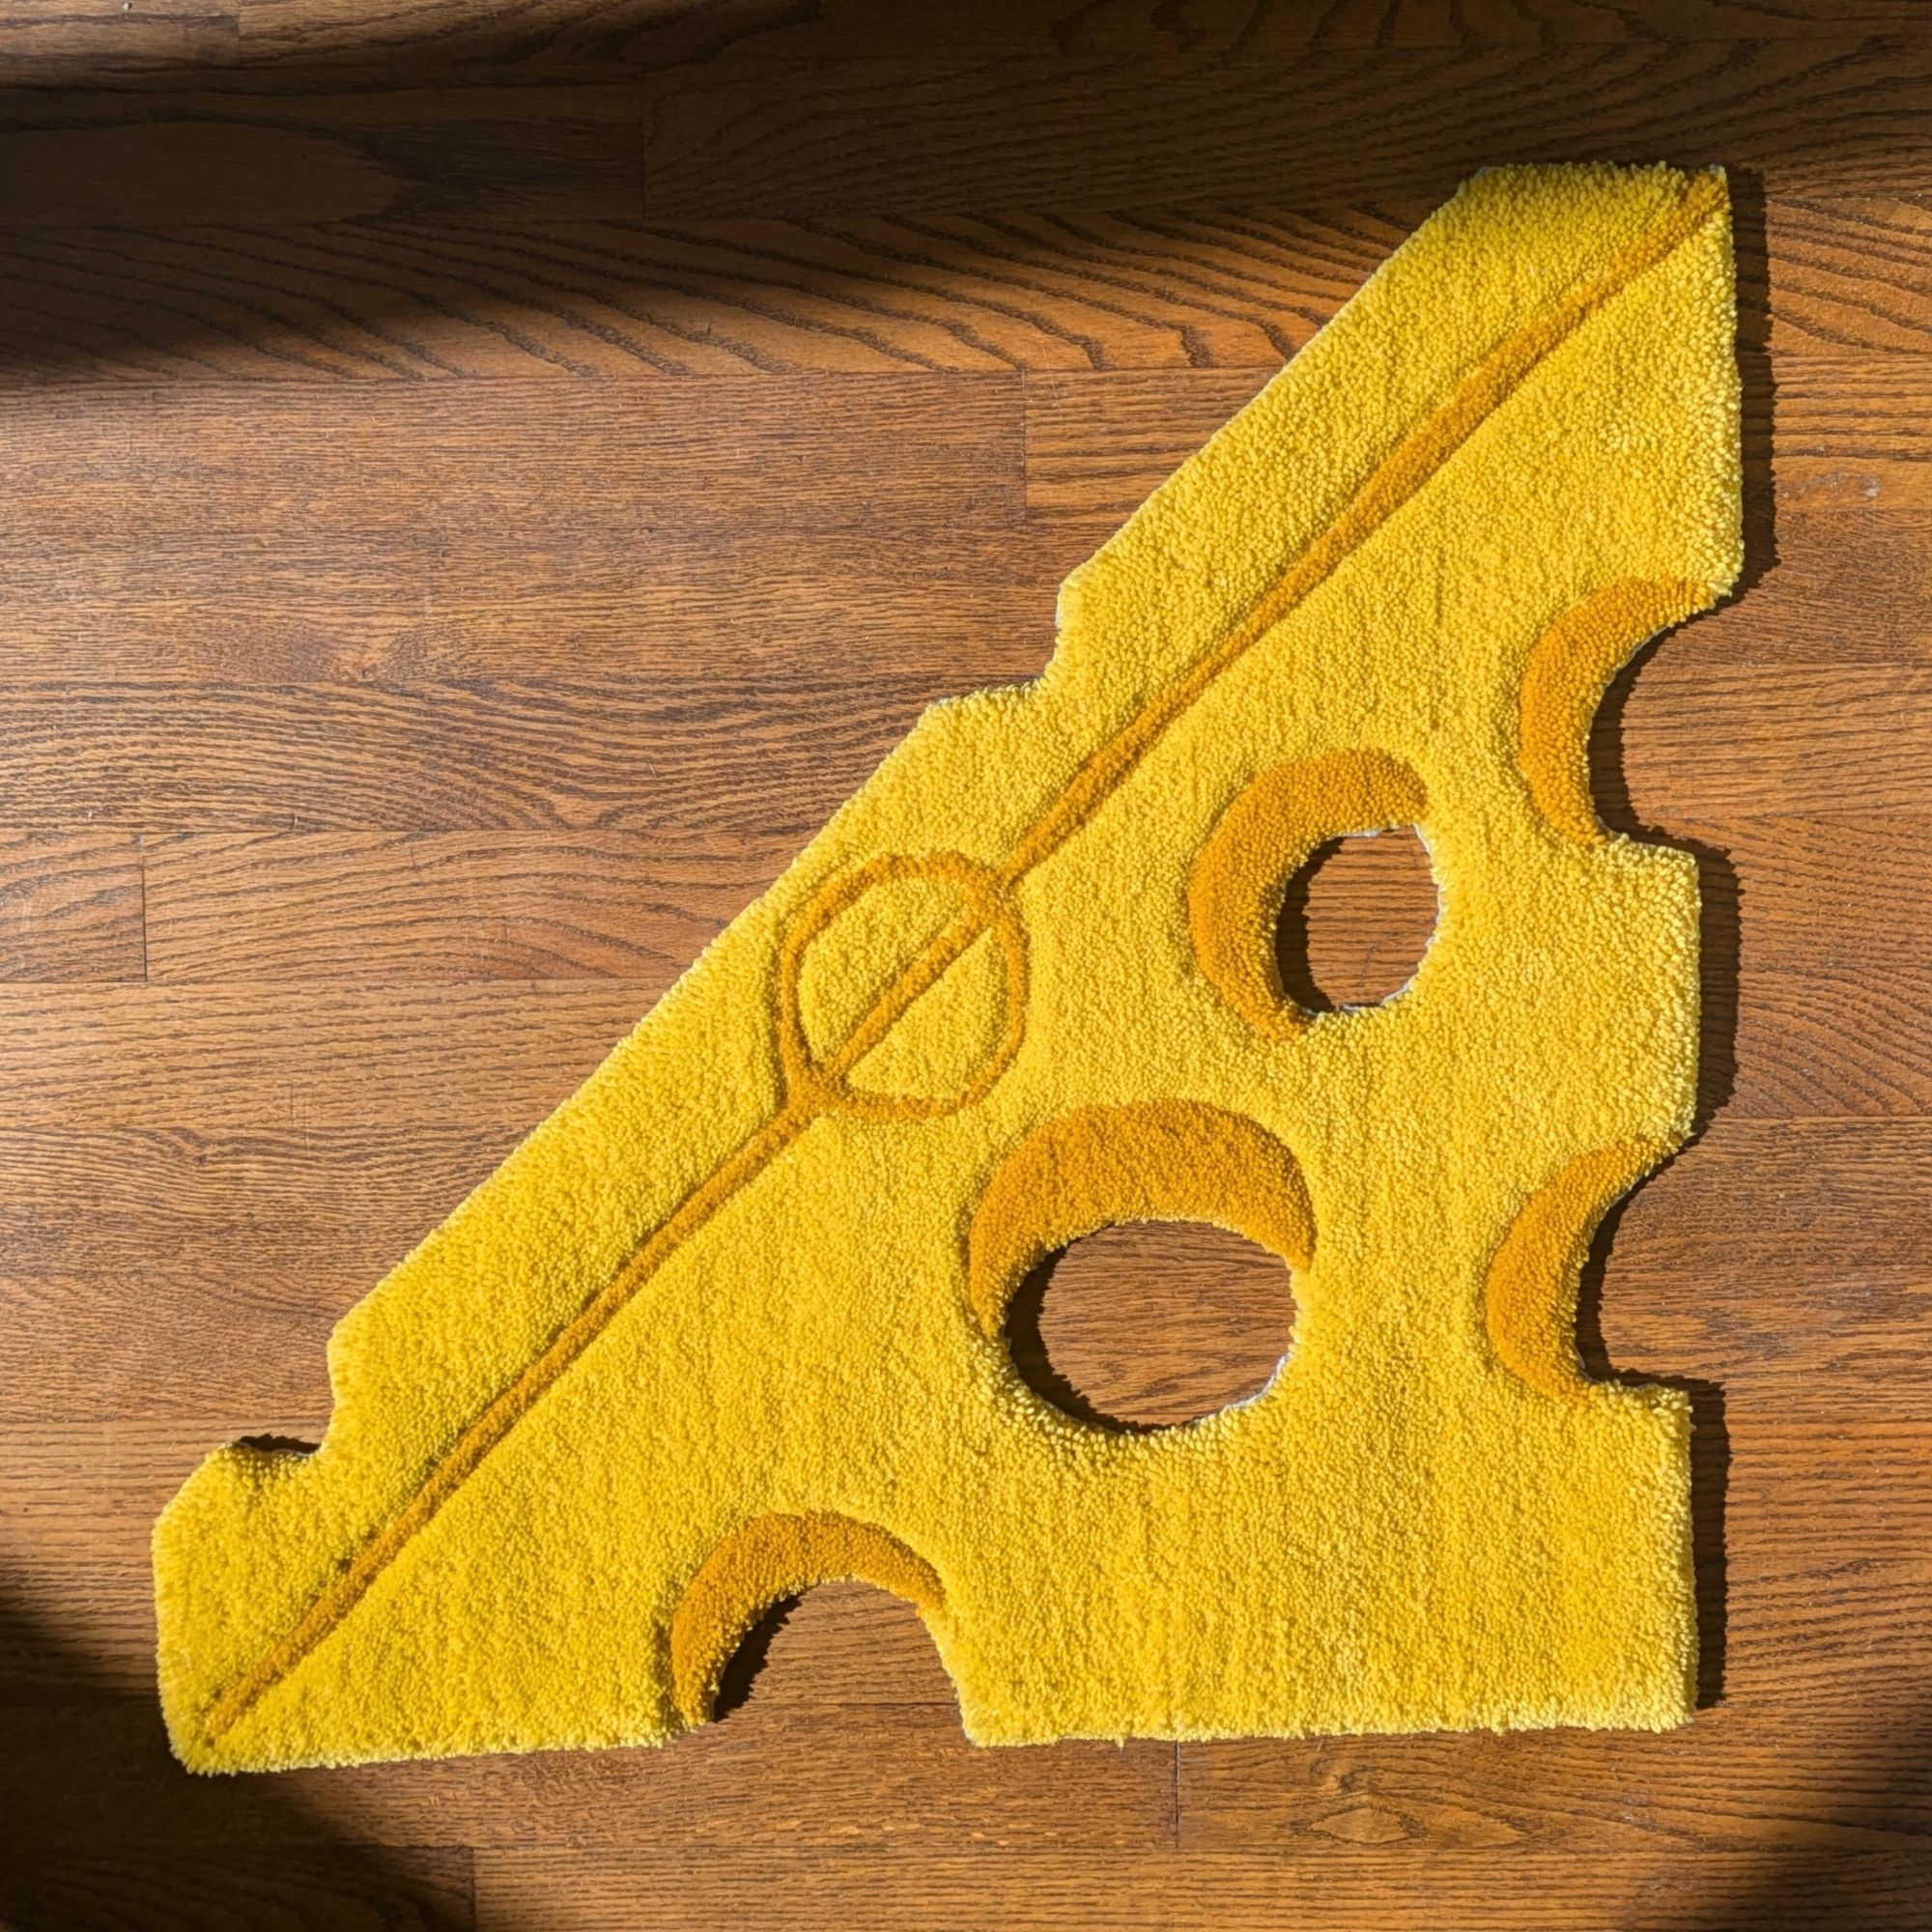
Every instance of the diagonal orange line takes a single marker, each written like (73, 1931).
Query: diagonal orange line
(1401, 474)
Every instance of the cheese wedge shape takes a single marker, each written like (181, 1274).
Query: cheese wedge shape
(730, 1322)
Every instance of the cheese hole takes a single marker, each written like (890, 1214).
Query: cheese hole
(1355, 920)
(1151, 1324)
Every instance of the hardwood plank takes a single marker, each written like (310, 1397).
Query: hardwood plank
(90, 1201)
(120, 1254)
(854, 1778)
(71, 906)
(1837, 584)
(535, 33)
(1098, 443)
(849, 1775)
(1832, 1043)
(902, 131)
(114, 1332)
(892, 595)
(120, 1251)
(1345, 1886)
(382, 906)
(1846, 429)
(138, 1324)
(1844, 1190)
(333, 1889)
(735, 760)
(86, 38)
(622, 299)
(1850, 270)
(1845, 1042)
(81, 36)
(225, 1060)
(421, 460)
(547, 1889)
(902, 126)
(1811, 740)
(123, 1249)
(1225, 288)
(324, 1184)
(238, 146)
(769, 35)
(762, 758)
(1710, 1786)
(1707, 1320)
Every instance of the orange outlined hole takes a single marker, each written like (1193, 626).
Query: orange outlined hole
(1099, 1167)
(761, 1564)
(1241, 877)
(1152, 1325)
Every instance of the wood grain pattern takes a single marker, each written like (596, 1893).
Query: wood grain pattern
(1356, 920)
(85, 38)
(483, 481)
(1199, 287)
(906, 128)
(236, 147)
(463, 905)
(871, 1775)
(71, 906)
(233, 1059)
(169, 461)
(324, 603)
(1335, 1884)
(592, 753)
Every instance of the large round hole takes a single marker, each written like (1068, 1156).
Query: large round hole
(1355, 920)
(1152, 1324)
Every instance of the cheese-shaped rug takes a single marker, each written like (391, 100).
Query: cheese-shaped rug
(731, 1322)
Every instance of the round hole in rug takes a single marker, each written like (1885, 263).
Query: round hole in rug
(1355, 920)
(1152, 1323)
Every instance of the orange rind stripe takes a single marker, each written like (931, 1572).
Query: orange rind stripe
(1529, 1297)
(1570, 667)
(1237, 881)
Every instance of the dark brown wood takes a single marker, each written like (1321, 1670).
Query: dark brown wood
(906, 130)
(1191, 287)
(482, 482)
(297, 1886)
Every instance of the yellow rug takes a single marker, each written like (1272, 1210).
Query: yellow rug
(731, 1322)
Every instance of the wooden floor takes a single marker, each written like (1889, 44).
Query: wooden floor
(478, 485)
